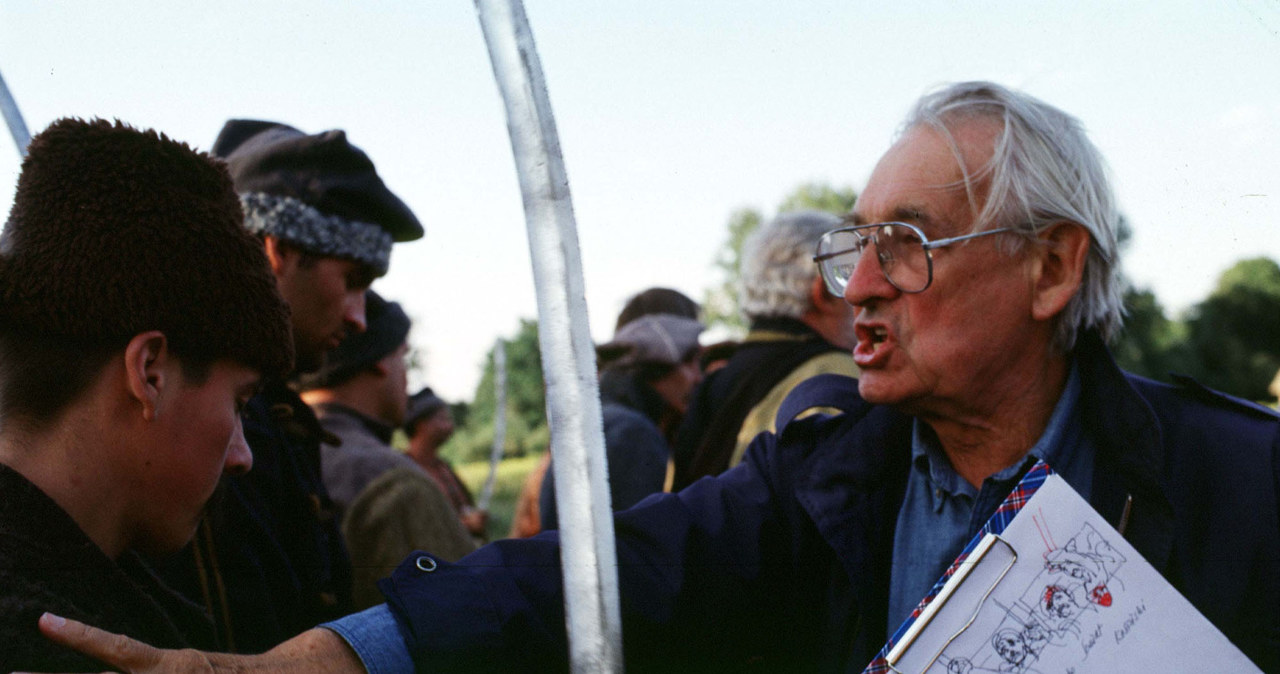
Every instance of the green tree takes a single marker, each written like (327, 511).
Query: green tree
(1234, 335)
(720, 302)
(526, 404)
(819, 197)
(1150, 344)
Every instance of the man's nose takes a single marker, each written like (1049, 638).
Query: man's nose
(239, 456)
(868, 281)
(354, 314)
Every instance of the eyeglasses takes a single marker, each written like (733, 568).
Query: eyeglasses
(902, 250)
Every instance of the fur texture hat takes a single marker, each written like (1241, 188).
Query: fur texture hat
(388, 326)
(115, 231)
(316, 191)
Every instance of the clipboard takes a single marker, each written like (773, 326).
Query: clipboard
(1048, 586)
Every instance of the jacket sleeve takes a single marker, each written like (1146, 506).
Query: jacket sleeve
(680, 557)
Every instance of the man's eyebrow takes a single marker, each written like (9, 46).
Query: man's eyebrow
(910, 214)
(915, 216)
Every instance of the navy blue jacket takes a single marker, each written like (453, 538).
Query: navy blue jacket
(782, 564)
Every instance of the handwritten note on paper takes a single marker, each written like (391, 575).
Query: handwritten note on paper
(1059, 591)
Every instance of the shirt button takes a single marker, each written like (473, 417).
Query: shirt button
(425, 564)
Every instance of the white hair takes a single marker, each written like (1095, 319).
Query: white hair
(1044, 171)
(777, 270)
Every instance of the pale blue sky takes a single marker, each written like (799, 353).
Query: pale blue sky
(672, 114)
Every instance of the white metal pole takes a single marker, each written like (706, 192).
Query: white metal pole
(12, 117)
(588, 556)
(499, 420)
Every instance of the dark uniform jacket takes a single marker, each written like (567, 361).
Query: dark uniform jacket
(708, 435)
(636, 451)
(47, 563)
(782, 564)
(269, 562)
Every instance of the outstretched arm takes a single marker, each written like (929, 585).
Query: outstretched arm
(316, 650)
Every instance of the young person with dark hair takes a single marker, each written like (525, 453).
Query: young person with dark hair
(387, 504)
(136, 319)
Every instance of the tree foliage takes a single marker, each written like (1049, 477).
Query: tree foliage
(720, 303)
(1234, 335)
(1150, 344)
(1230, 341)
(527, 430)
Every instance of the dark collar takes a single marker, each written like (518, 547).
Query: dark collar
(780, 328)
(856, 474)
(379, 429)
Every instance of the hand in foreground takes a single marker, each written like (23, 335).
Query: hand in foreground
(317, 650)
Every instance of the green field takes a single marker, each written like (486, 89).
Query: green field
(506, 488)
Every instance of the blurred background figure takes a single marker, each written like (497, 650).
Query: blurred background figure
(644, 391)
(797, 331)
(657, 301)
(527, 520)
(387, 504)
(429, 424)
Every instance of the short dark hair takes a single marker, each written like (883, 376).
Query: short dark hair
(115, 232)
(657, 301)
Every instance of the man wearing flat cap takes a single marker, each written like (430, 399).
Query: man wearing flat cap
(271, 561)
(651, 370)
(386, 503)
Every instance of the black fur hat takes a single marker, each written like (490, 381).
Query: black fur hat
(317, 191)
(388, 327)
(116, 231)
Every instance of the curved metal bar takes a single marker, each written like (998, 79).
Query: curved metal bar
(499, 421)
(588, 557)
(12, 117)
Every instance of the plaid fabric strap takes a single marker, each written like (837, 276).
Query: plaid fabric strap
(1025, 489)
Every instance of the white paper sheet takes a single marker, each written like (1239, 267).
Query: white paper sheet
(1062, 592)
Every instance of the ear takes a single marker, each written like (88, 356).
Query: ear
(145, 358)
(279, 255)
(1058, 268)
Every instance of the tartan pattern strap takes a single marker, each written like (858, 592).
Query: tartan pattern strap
(1012, 504)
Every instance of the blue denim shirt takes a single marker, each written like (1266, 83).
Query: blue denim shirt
(941, 511)
(374, 636)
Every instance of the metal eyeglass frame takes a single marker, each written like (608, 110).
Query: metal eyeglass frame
(925, 243)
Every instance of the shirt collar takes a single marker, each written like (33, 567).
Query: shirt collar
(928, 458)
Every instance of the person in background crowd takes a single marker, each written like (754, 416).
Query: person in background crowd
(656, 301)
(981, 259)
(270, 562)
(136, 319)
(528, 518)
(429, 424)
(652, 370)
(387, 504)
(797, 331)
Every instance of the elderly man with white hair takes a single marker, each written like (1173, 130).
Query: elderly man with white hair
(798, 331)
(982, 306)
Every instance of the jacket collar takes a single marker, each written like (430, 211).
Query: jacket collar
(1128, 485)
(853, 482)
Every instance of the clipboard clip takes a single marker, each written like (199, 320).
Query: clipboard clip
(988, 542)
